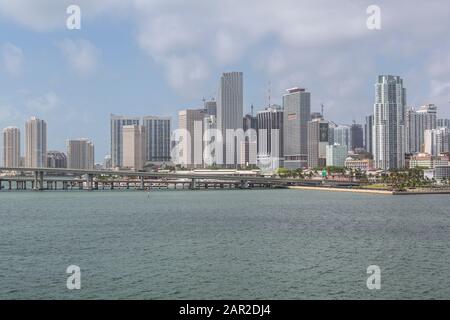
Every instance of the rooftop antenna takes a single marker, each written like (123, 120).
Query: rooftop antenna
(252, 109)
(269, 92)
(321, 107)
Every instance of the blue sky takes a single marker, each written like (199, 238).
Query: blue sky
(156, 57)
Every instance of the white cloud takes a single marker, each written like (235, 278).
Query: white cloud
(323, 45)
(43, 105)
(81, 55)
(12, 57)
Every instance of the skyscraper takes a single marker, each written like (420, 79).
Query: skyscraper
(35, 143)
(443, 123)
(158, 138)
(317, 143)
(80, 154)
(134, 147)
(56, 159)
(389, 123)
(11, 147)
(229, 113)
(210, 107)
(270, 137)
(191, 122)
(297, 113)
(336, 155)
(368, 134)
(357, 136)
(437, 141)
(117, 122)
(416, 122)
(343, 136)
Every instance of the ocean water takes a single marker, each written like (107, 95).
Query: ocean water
(223, 244)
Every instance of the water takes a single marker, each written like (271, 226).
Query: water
(228, 244)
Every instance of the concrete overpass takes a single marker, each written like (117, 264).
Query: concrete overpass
(244, 181)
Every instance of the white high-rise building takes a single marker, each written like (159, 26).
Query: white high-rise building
(134, 147)
(389, 123)
(297, 114)
(11, 147)
(336, 155)
(417, 121)
(437, 141)
(80, 154)
(343, 135)
(35, 143)
(230, 111)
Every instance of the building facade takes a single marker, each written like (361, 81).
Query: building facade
(11, 147)
(297, 114)
(80, 154)
(389, 123)
(35, 143)
(158, 131)
(230, 104)
(56, 159)
(190, 123)
(336, 155)
(270, 138)
(134, 147)
(117, 123)
(368, 134)
(317, 143)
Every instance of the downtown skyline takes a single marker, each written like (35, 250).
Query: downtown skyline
(305, 133)
(158, 73)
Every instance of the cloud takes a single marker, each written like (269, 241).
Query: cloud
(43, 105)
(12, 57)
(81, 55)
(322, 45)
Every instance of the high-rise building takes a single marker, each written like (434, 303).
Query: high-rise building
(270, 138)
(443, 123)
(229, 113)
(437, 141)
(134, 147)
(317, 143)
(368, 134)
(357, 136)
(80, 154)
(343, 136)
(56, 159)
(190, 122)
(158, 138)
(416, 122)
(107, 164)
(297, 114)
(210, 145)
(117, 123)
(389, 123)
(35, 143)
(11, 147)
(336, 155)
(210, 107)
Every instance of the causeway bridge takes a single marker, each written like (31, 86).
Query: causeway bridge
(81, 179)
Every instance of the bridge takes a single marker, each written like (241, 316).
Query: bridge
(50, 178)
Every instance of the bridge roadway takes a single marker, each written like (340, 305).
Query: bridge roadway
(243, 180)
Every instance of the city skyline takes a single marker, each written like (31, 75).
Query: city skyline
(158, 73)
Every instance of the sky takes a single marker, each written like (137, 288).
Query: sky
(156, 57)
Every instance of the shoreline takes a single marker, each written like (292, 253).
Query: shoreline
(370, 191)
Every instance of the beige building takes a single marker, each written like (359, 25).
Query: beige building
(134, 147)
(80, 154)
(190, 122)
(11, 147)
(35, 143)
(425, 160)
